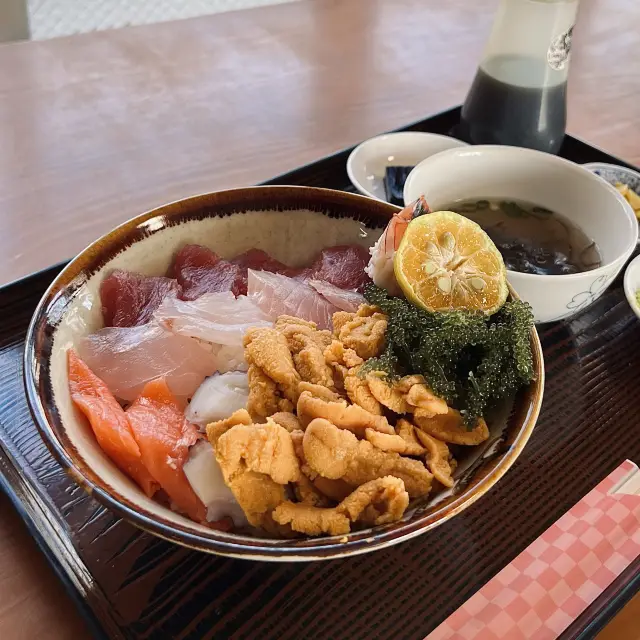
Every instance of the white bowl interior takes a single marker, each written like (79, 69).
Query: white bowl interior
(539, 178)
(367, 163)
(293, 237)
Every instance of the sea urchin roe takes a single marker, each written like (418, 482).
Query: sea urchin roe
(470, 360)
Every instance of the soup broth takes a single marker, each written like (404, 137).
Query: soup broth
(532, 239)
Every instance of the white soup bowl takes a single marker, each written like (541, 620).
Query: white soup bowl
(491, 171)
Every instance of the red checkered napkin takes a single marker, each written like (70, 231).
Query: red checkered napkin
(550, 583)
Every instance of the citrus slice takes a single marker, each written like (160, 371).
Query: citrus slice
(447, 262)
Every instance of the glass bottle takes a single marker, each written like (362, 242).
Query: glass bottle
(519, 94)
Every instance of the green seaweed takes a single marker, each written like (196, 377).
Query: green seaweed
(467, 358)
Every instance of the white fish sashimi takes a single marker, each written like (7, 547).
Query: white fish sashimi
(205, 477)
(126, 358)
(344, 299)
(218, 397)
(218, 318)
(276, 295)
(229, 357)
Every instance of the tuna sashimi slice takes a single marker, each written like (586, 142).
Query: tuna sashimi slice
(164, 437)
(276, 295)
(218, 318)
(126, 358)
(345, 300)
(108, 422)
(199, 270)
(257, 260)
(129, 299)
(342, 266)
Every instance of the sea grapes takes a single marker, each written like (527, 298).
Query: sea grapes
(469, 359)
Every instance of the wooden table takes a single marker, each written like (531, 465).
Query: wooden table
(99, 127)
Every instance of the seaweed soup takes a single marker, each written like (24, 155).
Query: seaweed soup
(532, 239)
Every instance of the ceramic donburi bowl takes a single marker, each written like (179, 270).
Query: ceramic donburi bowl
(292, 224)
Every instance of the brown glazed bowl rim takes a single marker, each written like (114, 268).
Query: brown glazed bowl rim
(38, 350)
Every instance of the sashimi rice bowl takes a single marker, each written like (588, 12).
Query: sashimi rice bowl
(285, 372)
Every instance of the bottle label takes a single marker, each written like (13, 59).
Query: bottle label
(559, 49)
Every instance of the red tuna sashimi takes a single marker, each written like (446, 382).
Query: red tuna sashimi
(108, 421)
(129, 299)
(199, 270)
(342, 266)
(164, 437)
(259, 261)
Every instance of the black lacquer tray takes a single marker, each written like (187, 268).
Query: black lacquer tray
(129, 584)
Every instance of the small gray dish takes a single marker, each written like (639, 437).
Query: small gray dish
(614, 173)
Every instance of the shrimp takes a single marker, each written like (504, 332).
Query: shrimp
(380, 267)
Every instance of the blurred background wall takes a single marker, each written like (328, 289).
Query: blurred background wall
(53, 18)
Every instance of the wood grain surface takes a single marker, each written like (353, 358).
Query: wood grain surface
(99, 127)
(33, 603)
(626, 625)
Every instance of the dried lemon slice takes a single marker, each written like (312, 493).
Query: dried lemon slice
(446, 261)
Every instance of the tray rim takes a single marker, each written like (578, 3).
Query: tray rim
(34, 512)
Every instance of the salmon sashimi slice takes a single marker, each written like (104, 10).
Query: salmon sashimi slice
(108, 421)
(164, 437)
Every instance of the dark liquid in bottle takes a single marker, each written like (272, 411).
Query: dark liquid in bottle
(497, 112)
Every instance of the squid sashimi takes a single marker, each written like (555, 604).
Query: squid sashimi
(164, 437)
(217, 397)
(276, 295)
(108, 421)
(218, 318)
(129, 299)
(380, 267)
(205, 476)
(345, 300)
(127, 358)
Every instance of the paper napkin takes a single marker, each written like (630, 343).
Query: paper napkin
(544, 589)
